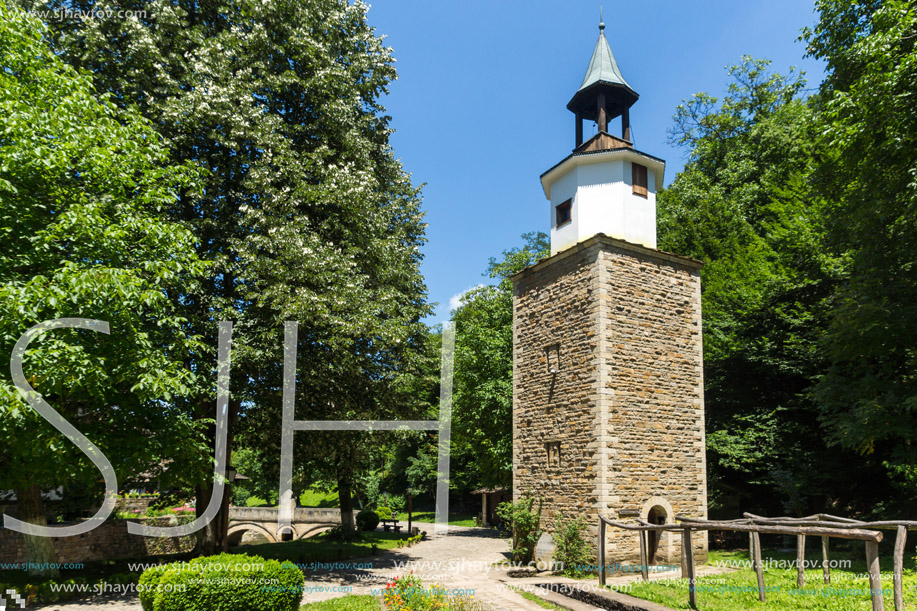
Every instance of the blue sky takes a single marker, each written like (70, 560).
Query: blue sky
(479, 107)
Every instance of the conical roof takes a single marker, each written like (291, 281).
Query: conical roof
(603, 76)
(602, 66)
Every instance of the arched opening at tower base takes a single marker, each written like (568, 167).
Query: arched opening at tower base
(657, 515)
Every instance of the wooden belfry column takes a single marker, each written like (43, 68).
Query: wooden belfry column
(601, 119)
(604, 94)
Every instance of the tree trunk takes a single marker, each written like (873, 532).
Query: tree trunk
(214, 538)
(39, 551)
(345, 496)
(207, 536)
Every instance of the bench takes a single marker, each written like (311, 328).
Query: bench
(391, 524)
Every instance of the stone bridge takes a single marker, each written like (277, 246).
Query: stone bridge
(307, 522)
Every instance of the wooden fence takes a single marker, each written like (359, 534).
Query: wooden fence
(818, 525)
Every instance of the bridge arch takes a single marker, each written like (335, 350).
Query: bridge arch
(237, 531)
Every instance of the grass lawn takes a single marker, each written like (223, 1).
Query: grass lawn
(314, 498)
(309, 498)
(536, 599)
(321, 548)
(737, 591)
(345, 603)
(455, 519)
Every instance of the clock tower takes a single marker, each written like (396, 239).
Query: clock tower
(608, 402)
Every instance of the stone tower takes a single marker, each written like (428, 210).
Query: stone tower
(608, 404)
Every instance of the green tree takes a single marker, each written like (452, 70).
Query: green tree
(305, 212)
(868, 391)
(745, 205)
(483, 391)
(82, 188)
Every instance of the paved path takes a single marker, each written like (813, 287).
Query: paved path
(461, 560)
(473, 560)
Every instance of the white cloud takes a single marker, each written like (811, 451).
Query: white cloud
(456, 300)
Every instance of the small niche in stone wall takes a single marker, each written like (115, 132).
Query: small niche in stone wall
(552, 449)
(552, 356)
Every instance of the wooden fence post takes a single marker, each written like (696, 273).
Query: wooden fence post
(875, 580)
(756, 563)
(900, 540)
(601, 552)
(684, 561)
(689, 565)
(800, 561)
(643, 553)
(824, 560)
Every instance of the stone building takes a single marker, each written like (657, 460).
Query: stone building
(608, 404)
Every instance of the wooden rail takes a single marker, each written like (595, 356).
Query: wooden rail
(820, 525)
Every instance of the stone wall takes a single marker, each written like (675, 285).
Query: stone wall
(110, 541)
(619, 428)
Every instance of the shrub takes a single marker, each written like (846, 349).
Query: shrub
(147, 585)
(385, 513)
(525, 525)
(168, 501)
(344, 535)
(397, 503)
(227, 582)
(571, 549)
(408, 594)
(411, 540)
(367, 520)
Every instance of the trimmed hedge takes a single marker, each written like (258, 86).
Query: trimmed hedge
(367, 520)
(227, 582)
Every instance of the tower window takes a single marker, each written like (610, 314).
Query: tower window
(638, 176)
(552, 449)
(564, 213)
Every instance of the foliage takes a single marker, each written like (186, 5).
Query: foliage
(305, 213)
(396, 503)
(262, 480)
(225, 582)
(367, 520)
(525, 525)
(343, 534)
(868, 390)
(323, 548)
(385, 513)
(82, 189)
(411, 541)
(169, 501)
(408, 593)
(146, 589)
(483, 391)
(746, 206)
(571, 549)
